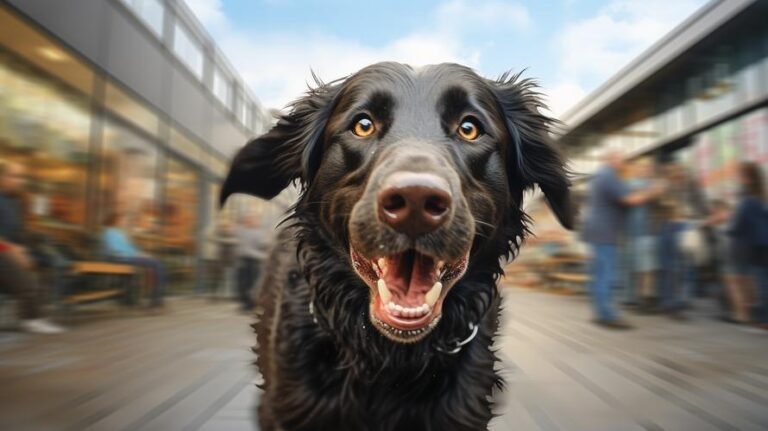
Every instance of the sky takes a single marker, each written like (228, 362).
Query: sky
(569, 46)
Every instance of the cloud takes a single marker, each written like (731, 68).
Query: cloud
(452, 16)
(277, 66)
(278, 69)
(585, 53)
(562, 96)
(592, 49)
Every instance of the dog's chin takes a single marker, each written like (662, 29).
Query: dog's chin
(407, 291)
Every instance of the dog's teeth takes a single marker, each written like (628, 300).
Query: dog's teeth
(433, 294)
(391, 306)
(424, 308)
(384, 293)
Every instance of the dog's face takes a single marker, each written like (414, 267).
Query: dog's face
(411, 174)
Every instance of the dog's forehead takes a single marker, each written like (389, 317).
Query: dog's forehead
(418, 86)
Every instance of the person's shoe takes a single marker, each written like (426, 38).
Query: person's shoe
(678, 315)
(730, 319)
(41, 326)
(647, 309)
(617, 324)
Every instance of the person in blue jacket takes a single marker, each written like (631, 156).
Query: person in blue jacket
(119, 247)
(749, 240)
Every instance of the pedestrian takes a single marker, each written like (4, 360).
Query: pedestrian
(251, 252)
(748, 232)
(640, 240)
(682, 213)
(734, 270)
(608, 199)
(16, 264)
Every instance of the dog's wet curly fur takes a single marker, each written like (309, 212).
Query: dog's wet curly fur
(324, 365)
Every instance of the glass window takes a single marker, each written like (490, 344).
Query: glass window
(183, 145)
(244, 112)
(130, 109)
(222, 88)
(128, 183)
(189, 50)
(44, 52)
(152, 12)
(255, 126)
(46, 128)
(180, 221)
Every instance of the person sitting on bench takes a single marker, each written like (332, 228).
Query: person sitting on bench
(118, 247)
(16, 276)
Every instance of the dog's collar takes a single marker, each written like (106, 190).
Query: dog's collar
(459, 344)
(456, 347)
(312, 311)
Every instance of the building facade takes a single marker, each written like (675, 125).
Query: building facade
(699, 95)
(122, 107)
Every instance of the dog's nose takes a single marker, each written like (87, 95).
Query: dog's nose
(414, 203)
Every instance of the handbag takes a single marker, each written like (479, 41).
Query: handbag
(693, 244)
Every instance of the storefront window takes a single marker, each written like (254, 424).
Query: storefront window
(128, 183)
(46, 128)
(183, 145)
(44, 52)
(181, 209)
(130, 109)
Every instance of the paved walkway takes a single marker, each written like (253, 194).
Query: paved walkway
(191, 369)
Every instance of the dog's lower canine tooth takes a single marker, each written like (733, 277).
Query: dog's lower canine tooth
(433, 294)
(384, 293)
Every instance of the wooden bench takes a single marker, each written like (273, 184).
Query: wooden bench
(569, 277)
(568, 282)
(79, 298)
(113, 272)
(91, 267)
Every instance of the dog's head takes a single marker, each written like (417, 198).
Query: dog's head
(413, 176)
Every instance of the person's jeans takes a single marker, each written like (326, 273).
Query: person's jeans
(247, 275)
(21, 283)
(626, 280)
(676, 273)
(158, 272)
(761, 282)
(603, 269)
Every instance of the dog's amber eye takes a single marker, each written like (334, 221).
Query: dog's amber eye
(469, 129)
(363, 126)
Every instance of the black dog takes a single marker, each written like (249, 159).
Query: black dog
(380, 301)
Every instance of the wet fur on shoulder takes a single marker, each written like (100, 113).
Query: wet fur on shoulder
(325, 367)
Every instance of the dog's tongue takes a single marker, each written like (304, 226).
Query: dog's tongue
(409, 275)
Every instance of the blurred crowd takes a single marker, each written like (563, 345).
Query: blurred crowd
(39, 273)
(653, 234)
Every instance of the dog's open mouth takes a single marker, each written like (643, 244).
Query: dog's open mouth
(407, 291)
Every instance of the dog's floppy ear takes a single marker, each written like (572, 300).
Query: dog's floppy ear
(291, 150)
(531, 156)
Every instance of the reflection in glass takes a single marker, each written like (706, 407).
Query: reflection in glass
(128, 182)
(180, 220)
(45, 128)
